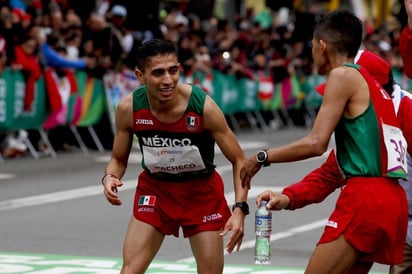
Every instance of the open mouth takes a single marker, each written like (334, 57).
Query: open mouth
(166, 91)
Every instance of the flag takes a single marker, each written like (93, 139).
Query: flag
(147, 200)
(192, 121)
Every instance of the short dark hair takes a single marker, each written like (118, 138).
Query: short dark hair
(342, 29)
(152, 48)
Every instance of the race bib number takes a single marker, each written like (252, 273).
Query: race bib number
(396, 149)
(173, 160)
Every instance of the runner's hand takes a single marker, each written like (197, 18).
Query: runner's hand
(110, 190)
(276, 201)
(249, 169)
(235, 224)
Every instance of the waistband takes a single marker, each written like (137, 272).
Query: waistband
(364, 179)
(180, 177)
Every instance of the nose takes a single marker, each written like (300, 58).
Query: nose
(167, 78)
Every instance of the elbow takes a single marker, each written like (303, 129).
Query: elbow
(317, 148)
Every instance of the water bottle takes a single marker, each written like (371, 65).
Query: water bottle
(263, 229)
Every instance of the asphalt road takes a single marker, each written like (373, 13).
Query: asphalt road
(53, 208)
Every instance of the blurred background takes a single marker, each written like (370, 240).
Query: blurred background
(65, 64)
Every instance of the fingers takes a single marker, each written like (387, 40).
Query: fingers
(235, 240)
(236, 226)
(110, 192)
(238, 245)
(264, 196)
(224, 231)
(276, 201)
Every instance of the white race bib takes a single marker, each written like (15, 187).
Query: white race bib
(396, 146)
(172, 160)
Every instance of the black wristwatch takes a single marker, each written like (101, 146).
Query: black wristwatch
(243, 206)
(262, 158)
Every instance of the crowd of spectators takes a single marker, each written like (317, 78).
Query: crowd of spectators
(93, 36)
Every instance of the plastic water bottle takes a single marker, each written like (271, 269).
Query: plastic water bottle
(263, 229)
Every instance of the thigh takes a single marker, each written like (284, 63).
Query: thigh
(141, 243)
(335, 257)
(207, 248)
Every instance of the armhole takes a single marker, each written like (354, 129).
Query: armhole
(197, 100)
(140, 98)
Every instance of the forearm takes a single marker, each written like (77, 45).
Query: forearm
(116, 168)
(241, 193)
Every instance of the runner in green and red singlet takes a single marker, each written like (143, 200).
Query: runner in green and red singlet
(370, 218)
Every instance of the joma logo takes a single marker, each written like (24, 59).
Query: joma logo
(144, 122)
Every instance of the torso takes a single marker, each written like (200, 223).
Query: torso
(175, 145)
(360, 140)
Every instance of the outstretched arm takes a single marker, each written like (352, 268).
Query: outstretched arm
(122, 143)
(313, 188)
(341, 81)
(215, 122)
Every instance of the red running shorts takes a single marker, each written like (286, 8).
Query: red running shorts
(372, 214)
(196, 205)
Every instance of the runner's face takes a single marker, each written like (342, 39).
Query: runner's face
(161, 76)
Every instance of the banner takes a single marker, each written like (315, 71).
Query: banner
(60, 88)
(6, 99)
(12, 91)
(91, 92)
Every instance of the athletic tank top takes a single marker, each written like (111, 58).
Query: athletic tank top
(178, 151)
(372, 143)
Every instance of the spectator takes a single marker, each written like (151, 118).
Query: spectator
(103, 45)
(52, 58)
(11, 30)
(118, 16)
(26, 59)
(11, 143)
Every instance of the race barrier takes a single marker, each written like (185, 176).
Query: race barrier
(79, 100)
(81, 107)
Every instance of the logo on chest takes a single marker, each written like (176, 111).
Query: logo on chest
(192, 123)
(144, 122)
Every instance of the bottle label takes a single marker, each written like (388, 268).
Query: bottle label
(263, 224)
(262, 247)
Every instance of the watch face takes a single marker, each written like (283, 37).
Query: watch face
(261, 156)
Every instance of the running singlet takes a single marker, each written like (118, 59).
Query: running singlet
(178, 151)
(372, 144)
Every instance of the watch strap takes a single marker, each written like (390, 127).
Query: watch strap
(243, 206)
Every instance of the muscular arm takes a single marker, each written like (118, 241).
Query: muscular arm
(215, 122)
(338, 101)
(122, 143)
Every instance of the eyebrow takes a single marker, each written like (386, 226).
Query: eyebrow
(162, 70)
